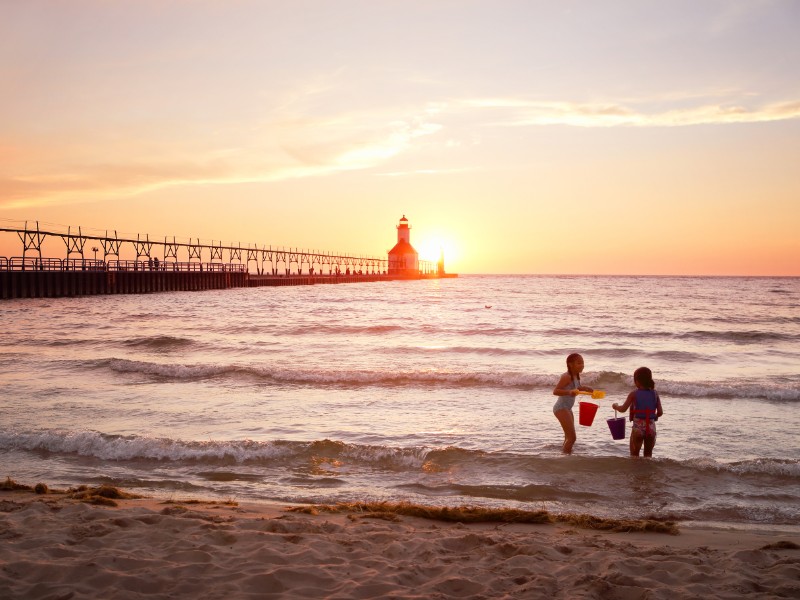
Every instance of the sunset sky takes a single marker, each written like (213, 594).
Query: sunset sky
(608, 137)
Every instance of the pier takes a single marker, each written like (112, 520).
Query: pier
(158, 267)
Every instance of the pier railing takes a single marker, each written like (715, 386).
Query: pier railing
(150, 265)
(17, 263)
(267, 260)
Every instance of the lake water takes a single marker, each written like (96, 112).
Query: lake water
(436, 392)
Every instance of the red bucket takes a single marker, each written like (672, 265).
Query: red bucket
(586, 412)
(617, 427)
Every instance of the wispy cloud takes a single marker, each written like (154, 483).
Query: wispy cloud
(299, 147)
(522, 113)
(420, 172)
(297, 141)
(351, 143)
(107, 180)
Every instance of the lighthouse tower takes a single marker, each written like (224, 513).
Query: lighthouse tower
(404, 231)
(403, 259)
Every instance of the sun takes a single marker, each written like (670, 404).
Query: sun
(432, 248)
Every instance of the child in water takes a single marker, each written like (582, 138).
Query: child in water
(566, 389)
(645, 408)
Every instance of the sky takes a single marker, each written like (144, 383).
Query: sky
(569, 137)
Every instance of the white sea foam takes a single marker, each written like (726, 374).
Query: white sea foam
(123, 448)
(110, 447)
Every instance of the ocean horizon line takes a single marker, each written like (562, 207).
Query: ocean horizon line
(622, 275)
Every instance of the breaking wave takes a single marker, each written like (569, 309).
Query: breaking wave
(610, 381)
(122, 448)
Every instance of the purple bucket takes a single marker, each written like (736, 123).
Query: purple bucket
(617, 427)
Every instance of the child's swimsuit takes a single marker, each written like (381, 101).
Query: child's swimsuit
(566, 401)
(645, 427)
(644, 412)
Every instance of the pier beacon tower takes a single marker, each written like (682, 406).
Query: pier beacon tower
(403, 259)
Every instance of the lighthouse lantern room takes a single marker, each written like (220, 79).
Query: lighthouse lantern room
(403, 259)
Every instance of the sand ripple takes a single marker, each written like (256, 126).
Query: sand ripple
(66, 549)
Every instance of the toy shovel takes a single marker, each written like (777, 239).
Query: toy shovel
(596, 395)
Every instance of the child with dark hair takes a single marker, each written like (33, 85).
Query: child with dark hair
(566, 389)
(645, 406)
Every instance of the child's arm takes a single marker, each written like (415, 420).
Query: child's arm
(560, 389)
(659, 410)
(626, 404)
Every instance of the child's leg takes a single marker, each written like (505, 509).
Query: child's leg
(636, 441)
(649, 444)
(567, 420)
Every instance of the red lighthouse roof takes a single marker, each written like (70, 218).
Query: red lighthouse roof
(401, 248)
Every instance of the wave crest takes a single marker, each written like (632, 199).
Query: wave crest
(613, 382)
(124, 448)
(121, 448)
(160, 342)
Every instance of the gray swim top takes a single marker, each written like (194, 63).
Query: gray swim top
(566, 401)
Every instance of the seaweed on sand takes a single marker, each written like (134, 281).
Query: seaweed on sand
(781, 545)
(10, 485)
(475, 514)
(212, 503)
(103, 494)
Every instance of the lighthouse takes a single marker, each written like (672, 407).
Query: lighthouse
(403, 259)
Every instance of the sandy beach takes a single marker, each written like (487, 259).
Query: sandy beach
(57, 546)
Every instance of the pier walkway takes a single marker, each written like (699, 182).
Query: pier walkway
(158, 268)
(54, 278)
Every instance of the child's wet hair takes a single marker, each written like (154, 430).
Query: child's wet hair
(645, 377)
(571, 359)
